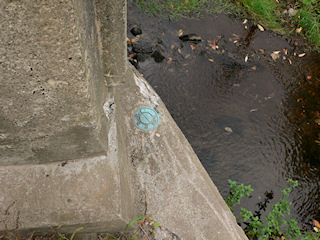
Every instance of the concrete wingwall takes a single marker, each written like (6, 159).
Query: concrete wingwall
(128, 171)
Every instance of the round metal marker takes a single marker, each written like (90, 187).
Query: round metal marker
(146, 118)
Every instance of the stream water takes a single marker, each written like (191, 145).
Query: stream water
(271, 106)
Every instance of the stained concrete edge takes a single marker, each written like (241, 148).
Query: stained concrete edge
(178, 192)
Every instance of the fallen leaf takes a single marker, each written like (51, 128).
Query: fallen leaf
(245, 27)
(285, 50)
(309, 77)
(296, 43)
(245, 21)
(169, 60)
(214, 46)
(253, 110)
(254, 68)
(260, 28)
(235, 36)
(316, 229)
(246, 59)
(222, 51)
(290, 61)
(316, 223)
(187, 56)
(284, 58)
(299, 99)
(228, 129)
(276, 52)
(211, 60)
(179, 50)
(172, 6)
(128, 40)
(262, 50)
(180, 32)
(131, 55)
(186, 0)
(172, 46)
(298, 30)
(236, 85)
(192, 47)
(274, 56)
(301, 54)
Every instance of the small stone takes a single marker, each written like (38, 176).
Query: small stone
(136, 31)
(190, 37)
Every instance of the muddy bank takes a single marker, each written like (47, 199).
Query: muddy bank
(261, 86)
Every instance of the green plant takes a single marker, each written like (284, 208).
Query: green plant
(275, 224)
(63, 236)
(236, 193)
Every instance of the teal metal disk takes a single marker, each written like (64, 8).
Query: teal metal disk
(146, 118)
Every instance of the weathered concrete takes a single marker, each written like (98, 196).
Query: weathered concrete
(44, 85)
(63, 157)
(70, 152)
(178, 191)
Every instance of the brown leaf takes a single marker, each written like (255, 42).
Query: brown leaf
(222, 51)
(172, 46)
(192, 47)
(298, 30)
(254, 68)
(290, 61)
(245, 21)
(309, 77)
(316, 229)
(211, 60)
(285, 50)
(316, 223)
(214, 46)
(262, 50)
(246, 59)
(180, 32)
(301, 54)
(131, 55)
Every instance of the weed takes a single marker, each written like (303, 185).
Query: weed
(275, 224)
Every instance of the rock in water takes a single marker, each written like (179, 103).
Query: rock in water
(136, 31)
(157, 56)
(190, 37)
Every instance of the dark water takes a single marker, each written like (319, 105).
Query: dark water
(271, 105)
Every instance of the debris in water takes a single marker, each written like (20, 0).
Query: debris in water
(260, 28)
(228, 129)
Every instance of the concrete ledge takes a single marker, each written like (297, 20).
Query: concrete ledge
(178, 191)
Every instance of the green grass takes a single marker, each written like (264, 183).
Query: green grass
(268, 13)
(177, 9)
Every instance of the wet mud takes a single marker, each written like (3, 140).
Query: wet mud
(247, 100)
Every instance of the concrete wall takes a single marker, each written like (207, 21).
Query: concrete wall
(108, 172)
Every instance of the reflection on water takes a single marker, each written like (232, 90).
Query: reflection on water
(271, 107)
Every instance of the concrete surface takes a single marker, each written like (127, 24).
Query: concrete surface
(44, 87)
(70, 153)
(177, 190)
